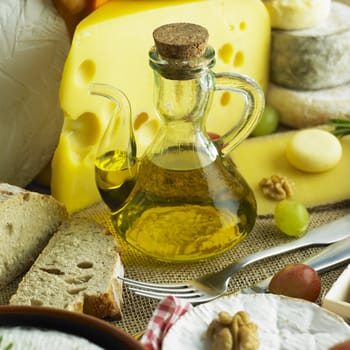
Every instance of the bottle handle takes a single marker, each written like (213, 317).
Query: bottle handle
(118, 135)
(254, 103)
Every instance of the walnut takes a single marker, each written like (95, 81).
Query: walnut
(236, 332)
(225, 318)
(222, 340)
(245, 332)
(277, 187)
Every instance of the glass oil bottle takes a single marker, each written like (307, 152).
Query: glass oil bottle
(184, 200)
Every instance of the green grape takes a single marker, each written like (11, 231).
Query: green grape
(268, 122)
(291, 217)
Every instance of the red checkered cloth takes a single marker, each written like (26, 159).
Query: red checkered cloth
(168, 311)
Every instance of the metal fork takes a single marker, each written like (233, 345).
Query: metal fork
(215, 284)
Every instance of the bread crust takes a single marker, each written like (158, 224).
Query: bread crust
(77, 271)
(27, 222)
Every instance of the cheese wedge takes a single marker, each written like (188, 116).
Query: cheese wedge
(111, 46)
(313, 58)
(261, 157)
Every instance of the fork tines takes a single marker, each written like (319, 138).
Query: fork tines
(159, 291)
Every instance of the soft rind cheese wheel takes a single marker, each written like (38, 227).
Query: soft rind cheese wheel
(314, 58)
(314, 150)
(34, 44)
(297, 14)
(302, 109)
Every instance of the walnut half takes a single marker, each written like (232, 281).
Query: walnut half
(235, 332)
(245, 332)
(277, 187)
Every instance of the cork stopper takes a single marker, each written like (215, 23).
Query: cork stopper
(181, 40)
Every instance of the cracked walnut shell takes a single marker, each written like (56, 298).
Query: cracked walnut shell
(277, 187)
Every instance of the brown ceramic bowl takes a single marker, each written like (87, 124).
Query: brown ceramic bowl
(97, 331)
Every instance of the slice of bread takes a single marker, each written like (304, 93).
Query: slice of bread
(76, 271)
(27, 222)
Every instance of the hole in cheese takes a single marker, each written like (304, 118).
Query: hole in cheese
(239, 59)
(151, 127)
(242, 26)
(225, 98)
(85, 130)
(86, 72)
(225, 52)
(140, 120)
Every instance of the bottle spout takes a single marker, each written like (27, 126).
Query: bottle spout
(116, 160)
(113, 94)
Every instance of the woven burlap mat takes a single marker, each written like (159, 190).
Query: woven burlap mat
(137, 310)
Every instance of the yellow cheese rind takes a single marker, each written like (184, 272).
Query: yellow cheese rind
(261, 157)
(111, 46)
(70, 172)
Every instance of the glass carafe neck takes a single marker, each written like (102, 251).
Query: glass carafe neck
(183, 88)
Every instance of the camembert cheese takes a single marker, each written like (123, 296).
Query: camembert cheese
(111, 46)
(34, 45)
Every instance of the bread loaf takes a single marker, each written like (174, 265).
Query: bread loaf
(76, 271)
(27, 222)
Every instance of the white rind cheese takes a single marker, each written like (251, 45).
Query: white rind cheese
(40, 339)
(301, 109)
(314, 58)
(33, 48)
(283, 323)
(297, 14)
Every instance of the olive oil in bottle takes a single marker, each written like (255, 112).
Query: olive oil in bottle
(115, 178)
(186, 214)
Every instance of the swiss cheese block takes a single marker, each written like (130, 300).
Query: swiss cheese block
(313, 58)
(297, 14)
(300, 109)
(261, 157)
(34, 45)
(111, 46)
